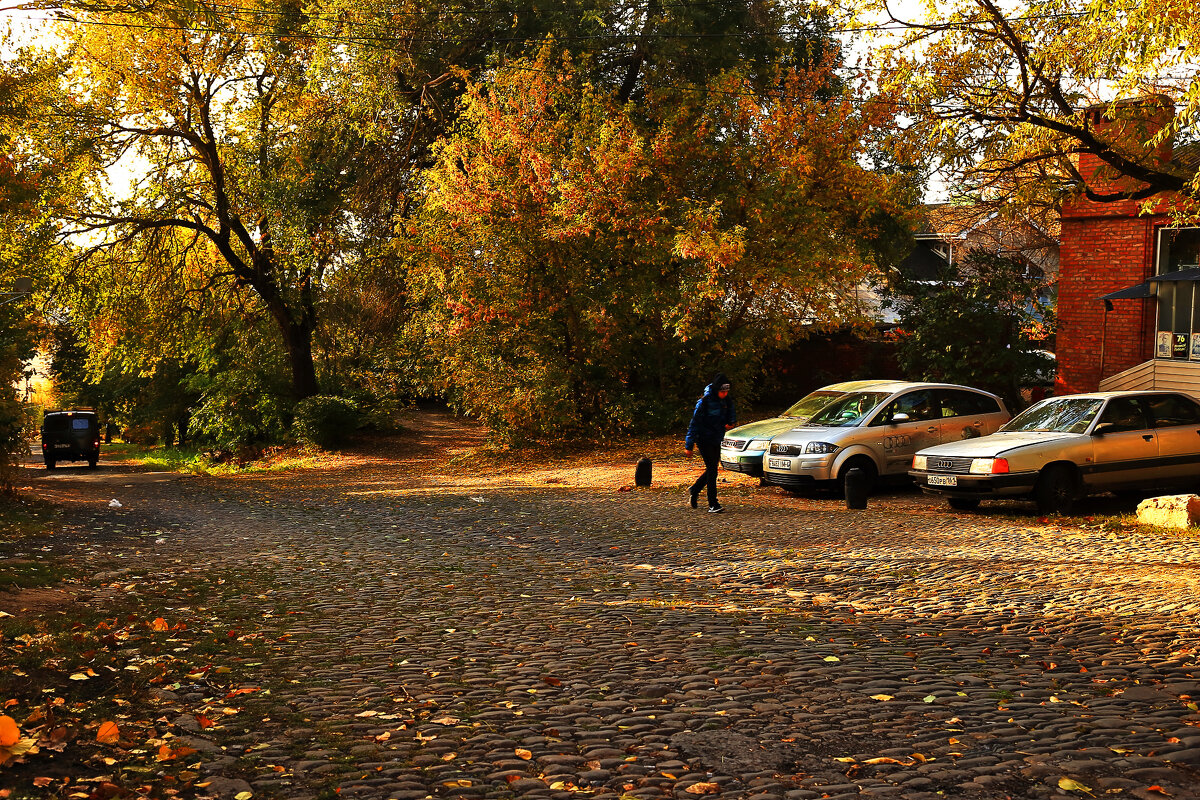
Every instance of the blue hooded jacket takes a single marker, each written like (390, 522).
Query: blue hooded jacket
(712, 416)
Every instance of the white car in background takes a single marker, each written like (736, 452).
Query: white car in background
(1065, 447)
(878, 430)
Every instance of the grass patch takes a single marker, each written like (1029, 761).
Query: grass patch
(22, 574)
(200, 462)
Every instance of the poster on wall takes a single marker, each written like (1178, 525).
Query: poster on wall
(1162, 348)
(1194, 353)
(1179, 346)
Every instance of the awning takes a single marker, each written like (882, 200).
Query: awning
(1143, 290)
(1189, 274)
(1137, 292)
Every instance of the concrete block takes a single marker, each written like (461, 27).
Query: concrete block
(1170, 511)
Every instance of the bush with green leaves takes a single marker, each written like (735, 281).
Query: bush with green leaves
(325, 421)
(986, 327)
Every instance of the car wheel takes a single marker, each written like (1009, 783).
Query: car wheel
(92, 462)
(50, 464)
(1056, 490)
(870, 474)
(963, 503)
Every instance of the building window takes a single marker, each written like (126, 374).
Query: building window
(1178, 310)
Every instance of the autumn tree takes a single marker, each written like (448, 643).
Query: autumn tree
(583, 258)
(999, 94)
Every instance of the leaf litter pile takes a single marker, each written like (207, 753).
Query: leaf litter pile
(90, 701)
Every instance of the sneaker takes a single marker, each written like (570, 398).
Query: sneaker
(716, 509)
(695, 496)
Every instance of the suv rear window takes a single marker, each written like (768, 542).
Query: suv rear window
(961, 403)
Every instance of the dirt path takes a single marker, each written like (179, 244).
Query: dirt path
(432, 622)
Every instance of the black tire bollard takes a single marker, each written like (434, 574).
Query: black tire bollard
(643, 474)
(855, 486)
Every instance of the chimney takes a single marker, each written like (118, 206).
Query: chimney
(1127, 126)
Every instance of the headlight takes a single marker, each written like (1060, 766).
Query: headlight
(758, 444)
(920, 462)
(989, 466)
(820, 447)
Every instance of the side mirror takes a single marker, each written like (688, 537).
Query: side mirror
(1103, 428)
(900, 417)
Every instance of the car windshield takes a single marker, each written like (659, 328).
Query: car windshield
(849, 410)
(1060, 415)
(811, 404)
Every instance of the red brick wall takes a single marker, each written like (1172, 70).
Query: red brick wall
(1104, 249)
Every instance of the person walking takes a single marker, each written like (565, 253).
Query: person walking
(713, 415)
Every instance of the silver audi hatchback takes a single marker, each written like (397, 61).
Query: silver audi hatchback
(878, 430)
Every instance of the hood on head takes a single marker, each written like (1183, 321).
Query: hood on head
(718, 381)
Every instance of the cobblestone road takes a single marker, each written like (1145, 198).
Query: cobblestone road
(563, 643)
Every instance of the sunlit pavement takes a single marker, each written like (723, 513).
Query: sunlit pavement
(542, 642)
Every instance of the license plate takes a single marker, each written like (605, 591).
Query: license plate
(779, 463)
(943, 480)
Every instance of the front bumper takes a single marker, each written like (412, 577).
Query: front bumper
(977, 486)
(797, 470)
(749, 462)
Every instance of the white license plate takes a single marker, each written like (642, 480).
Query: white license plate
(779, 463)
(943, 480)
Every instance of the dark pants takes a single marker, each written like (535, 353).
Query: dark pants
(711, 453)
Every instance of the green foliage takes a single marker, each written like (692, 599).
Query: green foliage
(16, 346)
(238, 410)
(325, 421)
(983, 328)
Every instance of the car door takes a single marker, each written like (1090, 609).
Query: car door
(905, 425)
(1124, 446)
(966, 415)
(1176, 421)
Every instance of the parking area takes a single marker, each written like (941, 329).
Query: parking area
(439, 625)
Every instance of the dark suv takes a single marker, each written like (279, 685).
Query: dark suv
(72, 435)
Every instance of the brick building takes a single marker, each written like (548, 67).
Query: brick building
(1128, 316)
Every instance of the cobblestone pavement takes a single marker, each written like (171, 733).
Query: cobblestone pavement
(559, 643)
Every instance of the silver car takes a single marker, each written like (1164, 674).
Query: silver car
(1065, 447)
(744, 447)
(879, 430)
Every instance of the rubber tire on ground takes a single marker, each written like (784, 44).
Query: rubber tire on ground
(963, 503)
(866, 465)
(50, 463)
(1056, 490)
(92, 462)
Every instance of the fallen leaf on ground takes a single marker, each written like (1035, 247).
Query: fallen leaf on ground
(523, 753)
(159, 624)
(108, 733)
(1072, 785)
(10, 734)
(702, 787)
(883, 698)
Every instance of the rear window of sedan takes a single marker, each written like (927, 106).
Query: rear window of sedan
(1058, 415)
(1173, 409)
(849, 411)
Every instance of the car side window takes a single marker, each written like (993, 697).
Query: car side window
(1122, 414)
(916, 406)
(1173, 409)
(959, 403)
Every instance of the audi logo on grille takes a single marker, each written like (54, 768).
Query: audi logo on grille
(943, 464)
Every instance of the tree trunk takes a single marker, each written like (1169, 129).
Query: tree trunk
(297, 337)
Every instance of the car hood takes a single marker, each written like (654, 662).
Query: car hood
(764, 428)
(802, 434)
(996, 444)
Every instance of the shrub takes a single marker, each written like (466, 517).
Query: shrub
(325, 421)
